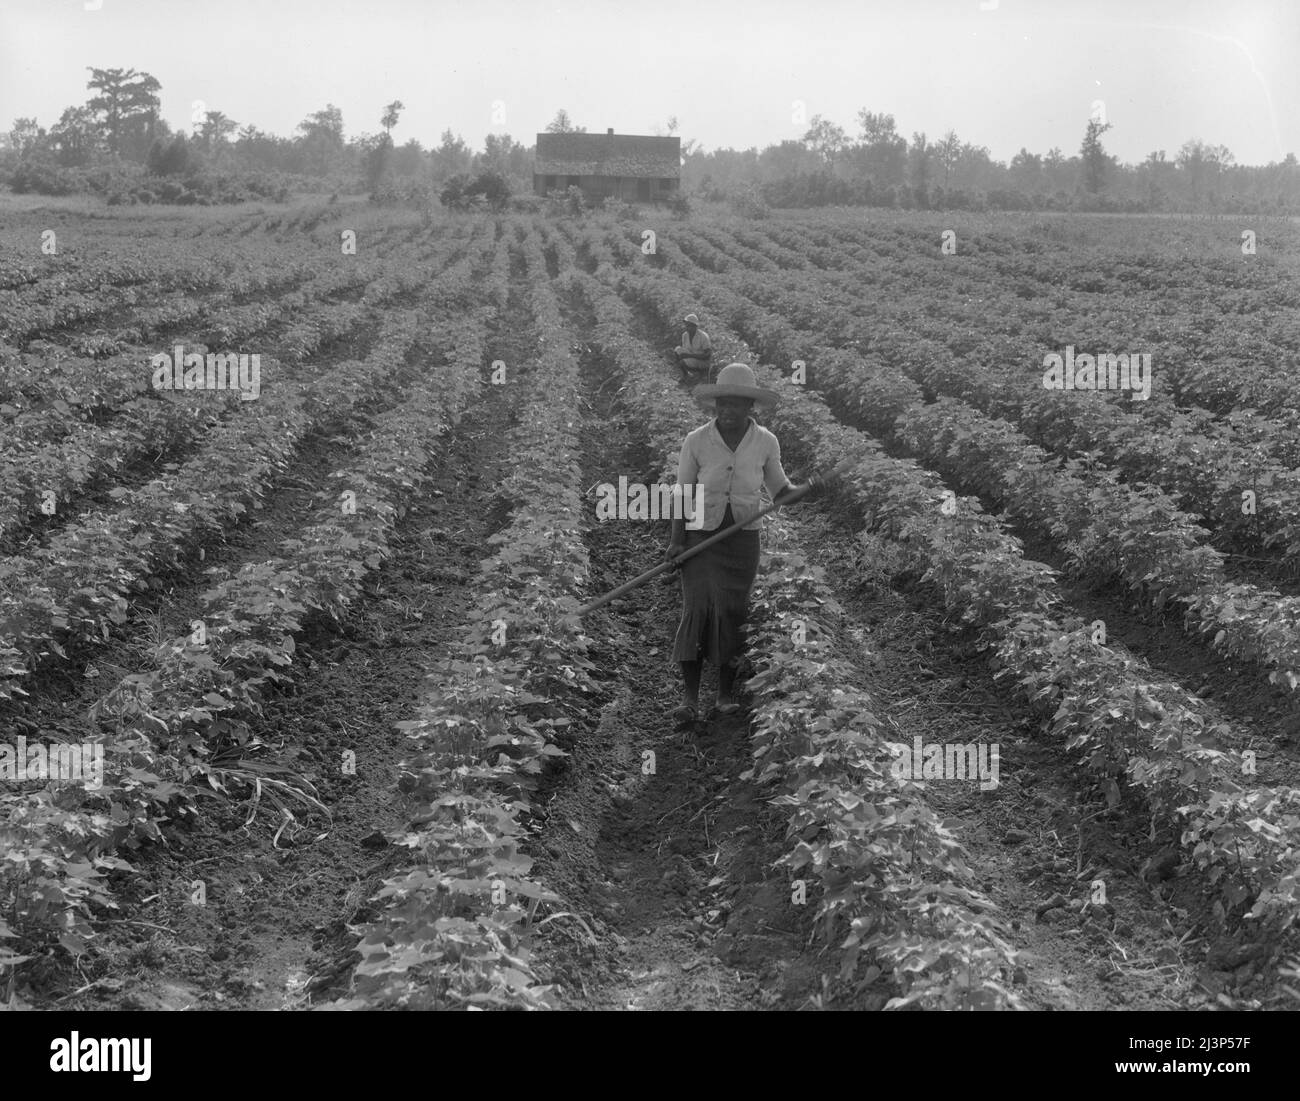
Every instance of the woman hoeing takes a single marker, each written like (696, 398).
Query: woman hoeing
(731, 460)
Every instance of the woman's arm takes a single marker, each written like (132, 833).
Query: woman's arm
(792, 493)
(688, 470)
(774, 475)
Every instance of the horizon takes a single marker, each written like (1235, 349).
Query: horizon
(1168, 72)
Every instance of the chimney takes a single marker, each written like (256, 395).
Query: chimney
(610, 131)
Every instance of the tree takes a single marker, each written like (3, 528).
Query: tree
(975, 167)
(947, 153)
(452, 157)
(883, 152)
(1285, 178)
(1218, 159)
(922, 152)
(322, 138)
(214, 130)
(825, 139)
(266, 151)
(789, 158)
(494, 188)
(689, 147)
(75, 137)
(154, 160)
(1191, 160)
(503, 155)
(176, 160)
(1157, 172)
(129, 103)
(408, 159)
(1055, 169)
(375, 153)
(562, 124)
(1027, 170)
(391, 113)
(1201, 164)
(1095, 160)
(876, 128)
(453, 192)
(25, 136)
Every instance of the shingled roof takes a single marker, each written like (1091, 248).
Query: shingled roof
(630, 155)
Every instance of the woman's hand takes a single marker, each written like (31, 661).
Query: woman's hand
(673, 550)
(792, 493)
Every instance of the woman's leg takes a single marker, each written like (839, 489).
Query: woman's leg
(727, 684)
(691, 676)
(741, 570)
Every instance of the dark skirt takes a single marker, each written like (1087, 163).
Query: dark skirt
(716, 585)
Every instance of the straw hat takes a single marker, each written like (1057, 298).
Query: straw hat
(736, 380)
(691, 319)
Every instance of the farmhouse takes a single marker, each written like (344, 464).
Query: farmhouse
(631, 167)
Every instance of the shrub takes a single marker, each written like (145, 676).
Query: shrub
(488, 189)
(749, 203)
(568, 201)
(453, 192)
(122, 184)
(44, 178)
(494, 188)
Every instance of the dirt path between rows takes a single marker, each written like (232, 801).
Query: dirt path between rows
(666, 858)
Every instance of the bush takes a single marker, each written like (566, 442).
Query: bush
(122, 185)
(803, 189)
(488, 189)
(568, 201)
(679, 204)
(44, 178)
(176, 158)
(453, 192)
(749, 203)
(418, 194)
(494, 188)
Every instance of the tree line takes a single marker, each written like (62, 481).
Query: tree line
(119, 133)
(882, 167)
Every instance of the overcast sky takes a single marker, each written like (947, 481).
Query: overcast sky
(1025, 73)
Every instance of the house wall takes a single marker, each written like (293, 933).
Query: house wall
(595, 188)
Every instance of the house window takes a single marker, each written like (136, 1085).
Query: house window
(550, 183)
(643, 189)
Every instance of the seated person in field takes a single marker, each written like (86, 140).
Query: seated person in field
(695, 350)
